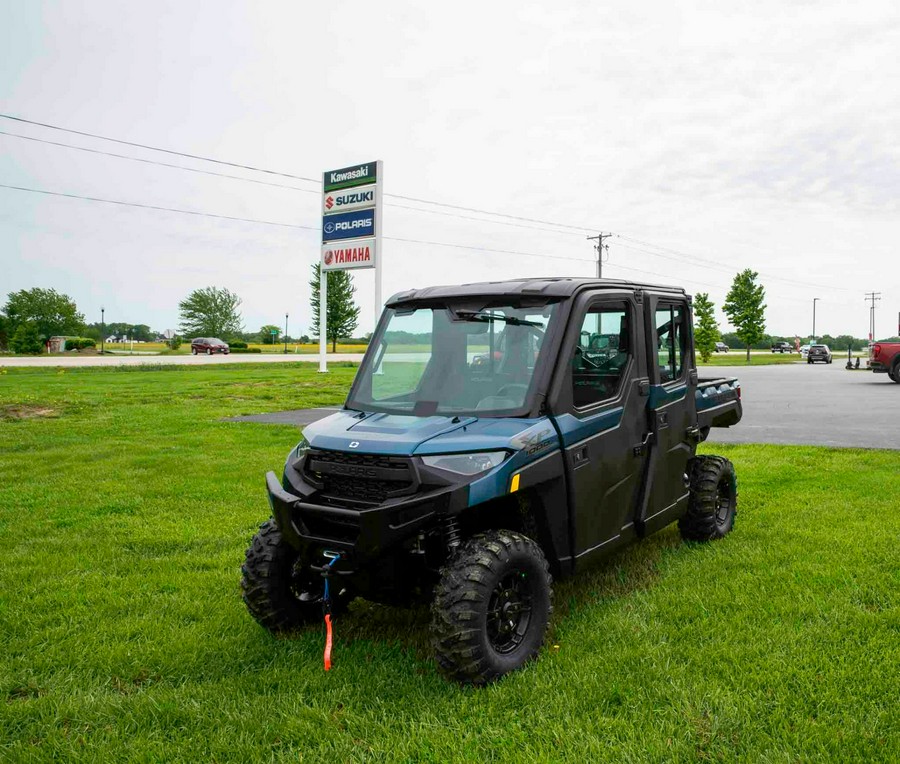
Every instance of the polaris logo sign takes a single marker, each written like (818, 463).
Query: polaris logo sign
(349, 199)
(348, 225)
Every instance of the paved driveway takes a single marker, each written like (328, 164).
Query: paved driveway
(794, 404)
(818, 404)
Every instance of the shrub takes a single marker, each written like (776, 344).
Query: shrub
(237, 345)
(174, 343)
(235, 349)
(26, 340)
(79, 343)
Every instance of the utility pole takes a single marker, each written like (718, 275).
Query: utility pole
(600, 247)
(873, 296)
(285, 333)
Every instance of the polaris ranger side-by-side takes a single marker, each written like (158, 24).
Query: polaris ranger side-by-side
(495, 434)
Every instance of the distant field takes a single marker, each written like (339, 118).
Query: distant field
(126, 504)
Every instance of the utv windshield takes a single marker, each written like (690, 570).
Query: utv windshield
(453, 359)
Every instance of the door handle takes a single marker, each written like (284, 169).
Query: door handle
(641, 448)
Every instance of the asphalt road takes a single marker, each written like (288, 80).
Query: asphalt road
(67, 361)
(818, 404)
(796, 404)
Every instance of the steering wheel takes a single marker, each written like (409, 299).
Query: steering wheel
(512, 387)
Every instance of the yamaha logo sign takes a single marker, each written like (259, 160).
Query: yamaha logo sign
(356, 253)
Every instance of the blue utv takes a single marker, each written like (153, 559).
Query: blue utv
(496, 434)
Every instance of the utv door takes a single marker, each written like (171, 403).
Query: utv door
(600, 414)
(672, 411)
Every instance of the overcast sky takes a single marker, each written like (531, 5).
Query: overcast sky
(708, 136)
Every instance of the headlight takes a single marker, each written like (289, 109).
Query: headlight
(466, 464)
(301, 449)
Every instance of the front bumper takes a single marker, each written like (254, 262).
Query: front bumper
(363, 534)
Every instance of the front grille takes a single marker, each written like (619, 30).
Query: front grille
(363, 479)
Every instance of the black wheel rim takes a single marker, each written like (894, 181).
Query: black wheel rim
(723, 504)
(509, 612)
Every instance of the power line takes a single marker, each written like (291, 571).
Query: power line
(158, 163)
(270, 183)
(158, 208)
(419, 200)
(724, 269)
(273, 223)
(485, 249)
(156, 148)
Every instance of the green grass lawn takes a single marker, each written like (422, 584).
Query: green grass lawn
(125, 507)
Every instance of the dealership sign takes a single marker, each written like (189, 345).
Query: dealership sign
(348, 199)
(358, 253)
(351, 217)
(348, 225)
(358, 175)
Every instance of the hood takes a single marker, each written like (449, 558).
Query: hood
(402, 435)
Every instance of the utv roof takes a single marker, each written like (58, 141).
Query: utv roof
(562, 286)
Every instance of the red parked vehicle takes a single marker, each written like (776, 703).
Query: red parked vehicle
(885, 357)
(209, 345)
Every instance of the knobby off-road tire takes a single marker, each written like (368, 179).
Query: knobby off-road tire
(491, 607)
(712, 505)
(278, 596)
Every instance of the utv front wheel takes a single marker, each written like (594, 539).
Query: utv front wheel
(712, 504)
(491, 607)
(277, 593)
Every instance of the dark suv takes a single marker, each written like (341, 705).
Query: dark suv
(782, 347)
(209, 345)
(818, 353)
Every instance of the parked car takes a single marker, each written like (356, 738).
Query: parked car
(818, 353)
(209, 345)
(804, 351)
(884, 357)
(782, 347)
(721, 347)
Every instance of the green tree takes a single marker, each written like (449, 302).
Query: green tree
(706, 329)
(746, 308)
(210, 312)
(4, 332)
(51, 313)
(26, 339)
(266, 336)
(342, 311)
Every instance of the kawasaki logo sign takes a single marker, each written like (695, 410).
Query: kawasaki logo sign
(348, 199)
(358, 175)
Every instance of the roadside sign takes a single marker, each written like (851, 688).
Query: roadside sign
(356, 253)
(357, 175)
(348, 199)
(348, 225)
(351, 230)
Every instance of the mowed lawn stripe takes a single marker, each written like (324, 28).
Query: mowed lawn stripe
(125, 507)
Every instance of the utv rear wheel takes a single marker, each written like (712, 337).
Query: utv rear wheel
(277, 592)
(712, 505)
(491, 607)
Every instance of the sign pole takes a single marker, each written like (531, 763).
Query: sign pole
(323, 319)
(379, 191)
